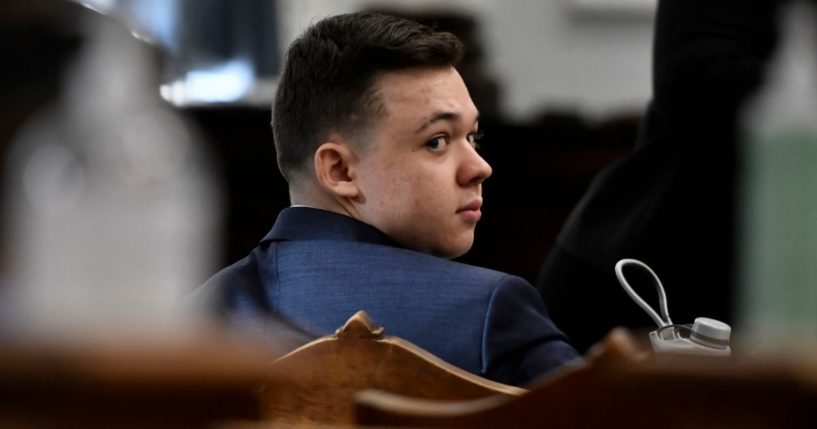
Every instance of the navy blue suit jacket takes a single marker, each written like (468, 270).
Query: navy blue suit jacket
(317, 268)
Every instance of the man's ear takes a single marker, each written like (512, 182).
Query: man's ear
(335, 170)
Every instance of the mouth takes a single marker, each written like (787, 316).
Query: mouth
(471, 212)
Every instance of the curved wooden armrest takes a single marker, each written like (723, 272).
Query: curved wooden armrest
(620, 387)
(380, 408)
(326, 373)
(618, 346)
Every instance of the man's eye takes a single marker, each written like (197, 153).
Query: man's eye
(437, 143)
(474, 138)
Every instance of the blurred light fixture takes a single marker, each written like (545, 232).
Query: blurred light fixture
(215, 51)
(227, 82)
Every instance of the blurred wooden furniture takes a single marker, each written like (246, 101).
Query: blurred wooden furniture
(131, 381)
(620, 389)
(325, 374)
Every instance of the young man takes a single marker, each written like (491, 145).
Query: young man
(376, 135)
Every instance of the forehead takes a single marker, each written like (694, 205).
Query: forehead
(418, 94)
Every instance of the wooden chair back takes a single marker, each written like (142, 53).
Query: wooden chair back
(619, 388)
(325, 374)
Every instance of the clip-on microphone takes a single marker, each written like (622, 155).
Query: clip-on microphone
(705, 337)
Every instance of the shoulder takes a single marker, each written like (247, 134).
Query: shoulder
(236, 285)
(340, 253)
(520, 341)
(385, 277)
(515, 306)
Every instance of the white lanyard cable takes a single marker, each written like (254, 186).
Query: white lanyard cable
(662, 297)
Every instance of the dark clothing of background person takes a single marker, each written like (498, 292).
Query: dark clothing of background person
(670, 203)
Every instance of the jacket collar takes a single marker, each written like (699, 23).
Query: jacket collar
(306, 223)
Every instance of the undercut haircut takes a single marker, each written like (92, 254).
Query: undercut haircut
(327, 84)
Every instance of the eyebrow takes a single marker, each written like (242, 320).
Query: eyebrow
(441, 116)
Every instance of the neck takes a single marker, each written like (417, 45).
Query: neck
(320, 200)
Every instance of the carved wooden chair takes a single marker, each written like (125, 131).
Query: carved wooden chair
(324, 375)
(620, 388)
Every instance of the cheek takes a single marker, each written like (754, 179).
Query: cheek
(430, 198)
(409, 194)
(393, 192)
(402, 191)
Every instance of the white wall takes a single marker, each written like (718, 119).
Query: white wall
(544, 53)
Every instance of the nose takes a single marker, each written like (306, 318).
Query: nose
(473, 169)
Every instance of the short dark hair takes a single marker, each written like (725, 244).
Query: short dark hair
(328, 77)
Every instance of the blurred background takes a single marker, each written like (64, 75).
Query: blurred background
(137, 157)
